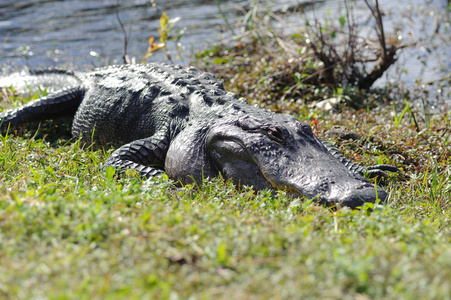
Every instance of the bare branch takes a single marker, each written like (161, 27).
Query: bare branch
(375, 11)
(125, 57)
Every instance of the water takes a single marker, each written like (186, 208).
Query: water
(87, 33)
(424, 67)
(83, 34)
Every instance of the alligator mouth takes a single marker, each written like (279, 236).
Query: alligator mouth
(349, 191)
(352, 201)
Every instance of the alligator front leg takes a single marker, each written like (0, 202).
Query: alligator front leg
(370, 171)
(141, 155)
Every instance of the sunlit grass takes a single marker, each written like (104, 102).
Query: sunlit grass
(69, 230)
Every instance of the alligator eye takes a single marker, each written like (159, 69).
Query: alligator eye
(276, 135)
(304, 128)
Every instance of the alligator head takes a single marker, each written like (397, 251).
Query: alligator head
(272, 152)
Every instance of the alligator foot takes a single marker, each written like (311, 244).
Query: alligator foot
(379, 170)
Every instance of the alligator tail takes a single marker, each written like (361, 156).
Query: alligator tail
(63, 103)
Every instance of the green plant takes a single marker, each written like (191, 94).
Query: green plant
(166, 27)
(399, 118)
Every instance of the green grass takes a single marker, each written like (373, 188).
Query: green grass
(68, 230)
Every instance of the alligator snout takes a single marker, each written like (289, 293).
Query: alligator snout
(348, 191)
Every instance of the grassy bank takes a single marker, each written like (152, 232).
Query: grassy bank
(68, 230)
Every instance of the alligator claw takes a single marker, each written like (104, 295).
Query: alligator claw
(379, 170)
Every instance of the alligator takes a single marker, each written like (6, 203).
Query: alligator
(180, 121)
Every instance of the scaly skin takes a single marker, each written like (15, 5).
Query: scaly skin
(184, 120)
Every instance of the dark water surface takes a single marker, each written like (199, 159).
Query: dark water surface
(83, 34)
(87, 32)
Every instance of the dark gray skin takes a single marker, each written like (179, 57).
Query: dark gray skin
(184, 120)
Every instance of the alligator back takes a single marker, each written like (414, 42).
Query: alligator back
(126, 103)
